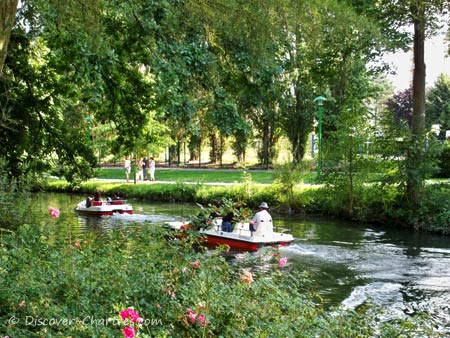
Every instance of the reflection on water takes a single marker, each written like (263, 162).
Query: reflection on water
(402, 271)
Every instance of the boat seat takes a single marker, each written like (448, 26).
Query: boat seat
(96, 203)
(116, 202)
(242, 229)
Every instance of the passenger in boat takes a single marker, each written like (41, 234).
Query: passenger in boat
(115, 200)
(94, 201)
(227, 222)
(88, 201)
(97, 200)
(97, 196)
(261, 223)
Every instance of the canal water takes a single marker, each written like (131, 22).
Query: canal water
(401, 271)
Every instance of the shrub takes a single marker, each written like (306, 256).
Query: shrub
(61, 287)
(444, 162)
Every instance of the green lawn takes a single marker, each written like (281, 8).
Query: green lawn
(227, 176)
(202, 175)
(195, 175)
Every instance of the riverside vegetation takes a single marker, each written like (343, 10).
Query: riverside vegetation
(287, 189)
(136, 283)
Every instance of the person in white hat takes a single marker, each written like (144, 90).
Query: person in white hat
(261, 223)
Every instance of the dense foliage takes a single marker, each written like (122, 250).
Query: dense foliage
(378, 202)
(84, 81)
(56, 285)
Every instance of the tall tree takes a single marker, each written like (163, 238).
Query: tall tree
(394, 16)
(8, 9)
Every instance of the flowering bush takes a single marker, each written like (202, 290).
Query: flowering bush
(282, 262)
(46, 280)
(200, 319)
(132, 322)
(54, 212)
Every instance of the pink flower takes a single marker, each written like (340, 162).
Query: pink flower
(192, 316)
(195, 265)
(131, 314)
(170, 293)
(201, 319)
(77, 244)
(158, 306)
(282, 262)
(128, 332)
(54, 212)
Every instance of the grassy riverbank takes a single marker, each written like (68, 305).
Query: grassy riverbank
(204, 175)
(370, 203)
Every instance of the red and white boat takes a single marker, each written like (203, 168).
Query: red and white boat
(105, 208)
(241, 238)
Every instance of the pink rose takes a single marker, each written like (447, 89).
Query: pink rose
(201, 319)
(282, 261)
(54, 212)
(195, 265)
(128, 332)
(192, 317)
(191, 314)
(131, 314)
(124, 314)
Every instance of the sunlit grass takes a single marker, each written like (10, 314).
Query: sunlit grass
(202, 176)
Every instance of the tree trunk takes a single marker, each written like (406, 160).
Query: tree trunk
(8, 9)
(414, 175)
(214, 144)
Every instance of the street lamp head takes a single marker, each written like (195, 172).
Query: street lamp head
(436, 128)
(319, 100)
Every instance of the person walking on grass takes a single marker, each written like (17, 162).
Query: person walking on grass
(127, 166)
(140, 170)
(145, 167)
(152, 168)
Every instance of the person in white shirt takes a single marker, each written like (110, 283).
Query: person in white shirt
(127, 166)
(261, 223)
(151, 168)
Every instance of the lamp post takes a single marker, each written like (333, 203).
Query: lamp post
(88, 120)
(319, 100)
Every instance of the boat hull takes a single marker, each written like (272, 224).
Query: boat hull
(240, 239)
(107, 208)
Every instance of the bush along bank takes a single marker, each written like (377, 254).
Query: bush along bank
(376, 203)
(135, 283)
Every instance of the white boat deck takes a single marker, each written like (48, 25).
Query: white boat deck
(240, 232)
